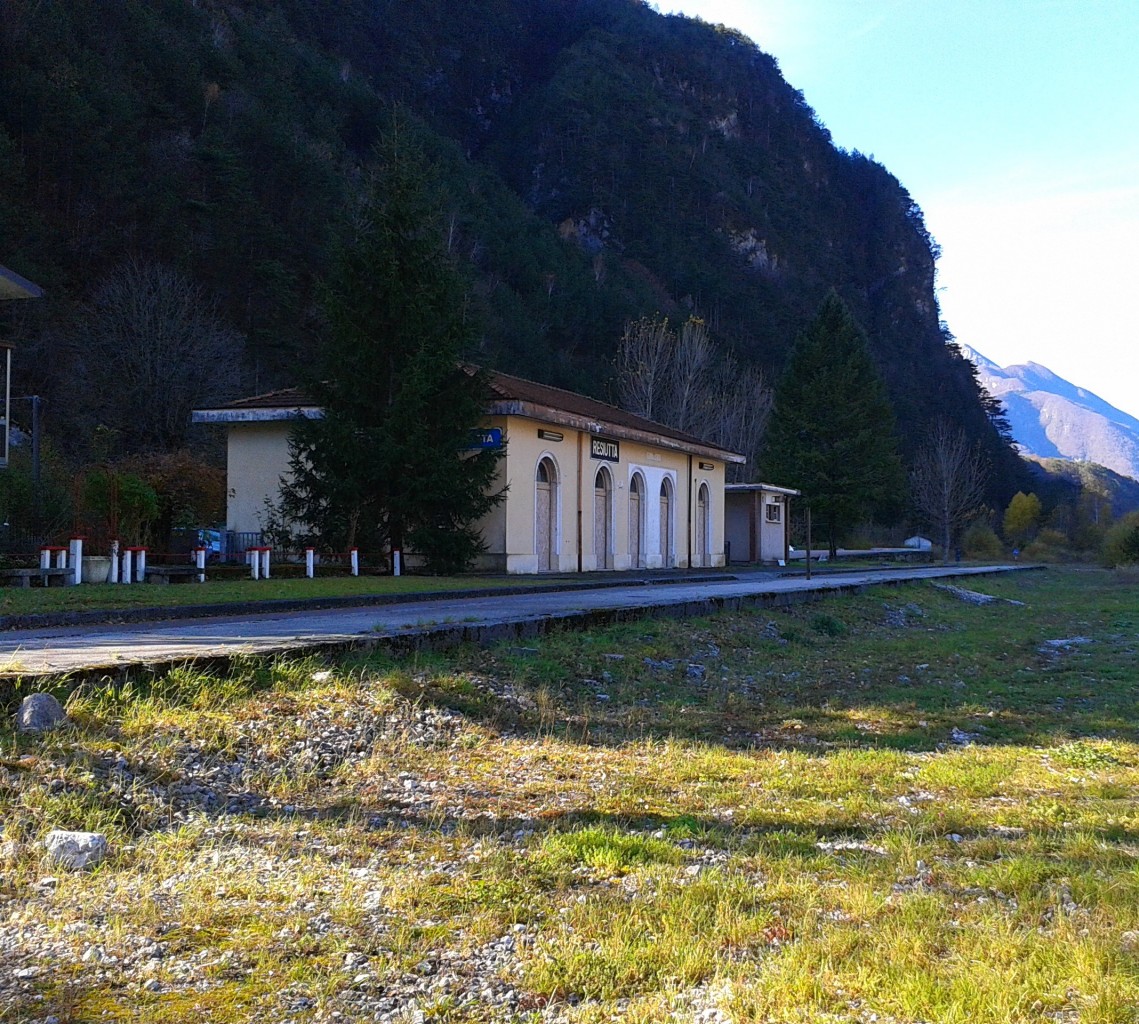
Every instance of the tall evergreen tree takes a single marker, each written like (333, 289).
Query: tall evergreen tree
(831, 432)
(391, 461)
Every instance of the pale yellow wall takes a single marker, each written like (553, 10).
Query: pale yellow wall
(257, 458)
(571, 456)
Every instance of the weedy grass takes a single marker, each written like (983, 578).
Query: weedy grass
(111, 597)
(894, 806)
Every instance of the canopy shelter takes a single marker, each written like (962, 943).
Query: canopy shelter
(12, 286)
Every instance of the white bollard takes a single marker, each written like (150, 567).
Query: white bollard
(128, 567)
(140, 566)
(76, 544)
(61, 559)
(200, 561)
(309, 562)
(354, 556)
(395, 562)
(265, 562)
(255, 563)
(45, 557)
(114, 562)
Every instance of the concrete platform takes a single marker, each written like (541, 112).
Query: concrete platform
(86, 650)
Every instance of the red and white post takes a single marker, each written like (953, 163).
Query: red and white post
(310, 561)
(354, 560)
(76, 555)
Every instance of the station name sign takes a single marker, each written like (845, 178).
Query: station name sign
(490, 437)
(604, 448)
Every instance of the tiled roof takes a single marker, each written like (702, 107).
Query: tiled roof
(509, 388)
(285, 398)
(513, 396)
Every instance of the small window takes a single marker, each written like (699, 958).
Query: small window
(774, 513)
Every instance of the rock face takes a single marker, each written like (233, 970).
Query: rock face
(76, 851)
(39, 712)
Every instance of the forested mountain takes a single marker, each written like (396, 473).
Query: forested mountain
(601, 162)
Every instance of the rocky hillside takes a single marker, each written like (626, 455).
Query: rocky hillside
(1053, 418)
(601, 161)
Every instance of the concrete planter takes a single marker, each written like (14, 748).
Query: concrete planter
(96, 568)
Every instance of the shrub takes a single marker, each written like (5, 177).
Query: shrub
(981, 542)
(1121, 546)
(1049, 546)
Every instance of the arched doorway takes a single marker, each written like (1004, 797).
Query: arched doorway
(603, 519)
(637, 521)
(702, 556)
(666, 523)
(546, 515)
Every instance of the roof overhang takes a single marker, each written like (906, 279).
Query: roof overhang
(12, 286)
(255, 415)
(548, 414)
(789, 492)
(498, 407)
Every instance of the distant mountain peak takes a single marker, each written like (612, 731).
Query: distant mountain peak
(1053, 418)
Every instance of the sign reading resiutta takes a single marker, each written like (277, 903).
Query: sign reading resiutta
(605, 449)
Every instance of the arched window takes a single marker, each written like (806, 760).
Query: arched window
(702, 555)
(546, 514)
(637, 521)
(603, 519)
(666, 522)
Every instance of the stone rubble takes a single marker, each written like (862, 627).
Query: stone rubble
(40, 712)
(75, 851)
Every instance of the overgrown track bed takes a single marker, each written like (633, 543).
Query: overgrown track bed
(895, 806)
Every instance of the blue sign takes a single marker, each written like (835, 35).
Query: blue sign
(491, 437)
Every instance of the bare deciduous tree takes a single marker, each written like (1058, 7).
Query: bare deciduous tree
(148, 349)
(691, 368)
(948, 481)
(643, 358)
(737, 407)
(682, 379)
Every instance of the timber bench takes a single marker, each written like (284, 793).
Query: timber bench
(25, 576)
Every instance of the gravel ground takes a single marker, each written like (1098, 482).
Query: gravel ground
(250, 845)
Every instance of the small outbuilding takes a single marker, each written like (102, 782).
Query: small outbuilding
(758, 522)
(589, 486)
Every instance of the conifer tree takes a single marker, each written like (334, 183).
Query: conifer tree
(831, 432)
(391, 461)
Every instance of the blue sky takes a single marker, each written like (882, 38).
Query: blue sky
(1014, 124)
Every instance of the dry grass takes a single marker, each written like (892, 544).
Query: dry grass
(895, 807)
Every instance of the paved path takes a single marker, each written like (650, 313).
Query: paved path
(61, 650)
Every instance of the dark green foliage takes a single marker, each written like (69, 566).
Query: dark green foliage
(390, 461)
(832, 430)
(600, 162)
(1121, 546)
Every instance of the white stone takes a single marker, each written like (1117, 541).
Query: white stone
(76, 851)
(39, 712)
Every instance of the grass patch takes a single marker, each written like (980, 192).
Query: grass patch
(894, 804)
(105, 596)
